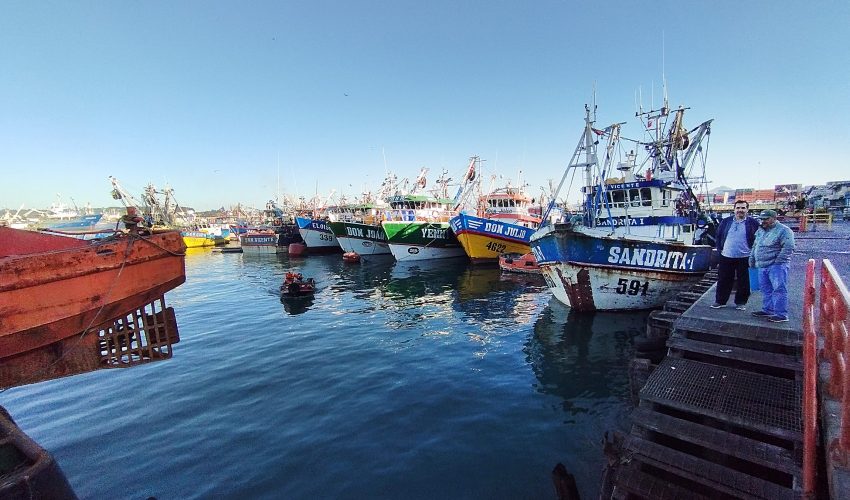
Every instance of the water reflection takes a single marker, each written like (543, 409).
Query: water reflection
(582, 357)
(488, 295)
(412, 280)
(297, 305)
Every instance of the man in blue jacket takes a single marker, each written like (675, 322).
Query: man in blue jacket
(771, 254)
(735, 237)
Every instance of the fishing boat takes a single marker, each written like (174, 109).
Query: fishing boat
(357, 226)
(317, 234)
(417, 225)
(503, 224)
(294, 285)
(281, 220)
(421, 231)
(70, 305)
(258, 242)
(638, 240)
(82, 223)
(198, 239)
(358, 229)
(519, 263)
(161, 212)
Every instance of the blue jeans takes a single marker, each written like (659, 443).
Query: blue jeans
(773, 282)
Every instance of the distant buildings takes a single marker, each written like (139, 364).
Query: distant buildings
(833, 196)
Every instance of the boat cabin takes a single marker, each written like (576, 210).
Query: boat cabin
(418, 207)
(654, 208)
(508, 205)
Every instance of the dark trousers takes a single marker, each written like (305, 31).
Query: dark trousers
(729, 272)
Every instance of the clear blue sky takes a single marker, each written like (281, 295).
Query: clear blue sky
(210, 97)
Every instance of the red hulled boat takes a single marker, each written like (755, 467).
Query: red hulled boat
(294, 285)
(68, 306)
(517, 263)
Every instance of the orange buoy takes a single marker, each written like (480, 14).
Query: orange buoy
(351, 257)
(297, 249)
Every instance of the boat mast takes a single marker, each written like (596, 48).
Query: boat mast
(587, 144)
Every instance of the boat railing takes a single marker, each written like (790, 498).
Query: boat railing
(810, 222)
(834, 305)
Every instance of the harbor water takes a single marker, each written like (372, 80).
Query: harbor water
(428, 380)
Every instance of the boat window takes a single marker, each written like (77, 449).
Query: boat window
(634, 196)
(665, 198)
(646, 197)
(618, 196)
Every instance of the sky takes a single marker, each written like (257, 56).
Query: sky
(234, 102)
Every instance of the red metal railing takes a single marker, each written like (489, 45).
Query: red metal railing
(810, 395)
(834, 305)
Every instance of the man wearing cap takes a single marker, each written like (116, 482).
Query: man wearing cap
(735, 237)
(771, 255)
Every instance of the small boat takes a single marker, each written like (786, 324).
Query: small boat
(294, 285)
(258, 242)
(228, 249)
(518, 263)
(351, 257)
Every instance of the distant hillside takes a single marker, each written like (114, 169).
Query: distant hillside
(720, 189)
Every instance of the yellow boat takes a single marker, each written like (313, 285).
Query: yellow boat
(504, 225)
(197, 239)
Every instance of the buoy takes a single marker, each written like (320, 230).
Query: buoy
(297, 249)
(351, 257)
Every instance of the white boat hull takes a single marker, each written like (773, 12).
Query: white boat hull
(611, 289)
(362, 247)
(318, 239)
(409, 253)
(259, 250)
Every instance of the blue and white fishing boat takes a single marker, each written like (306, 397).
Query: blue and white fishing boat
(317, 234)
(81, 223)
(637, 241)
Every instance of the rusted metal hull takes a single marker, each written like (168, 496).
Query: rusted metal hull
(606, 289)
(60, 289)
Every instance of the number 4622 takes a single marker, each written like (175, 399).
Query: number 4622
(632, 287)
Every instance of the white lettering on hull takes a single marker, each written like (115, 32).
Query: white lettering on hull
(659, 259)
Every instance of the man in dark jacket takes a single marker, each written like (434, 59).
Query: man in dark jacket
(735, 237)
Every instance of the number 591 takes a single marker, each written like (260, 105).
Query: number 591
(631, 287)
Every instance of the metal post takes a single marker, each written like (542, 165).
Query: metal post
(810, 395)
